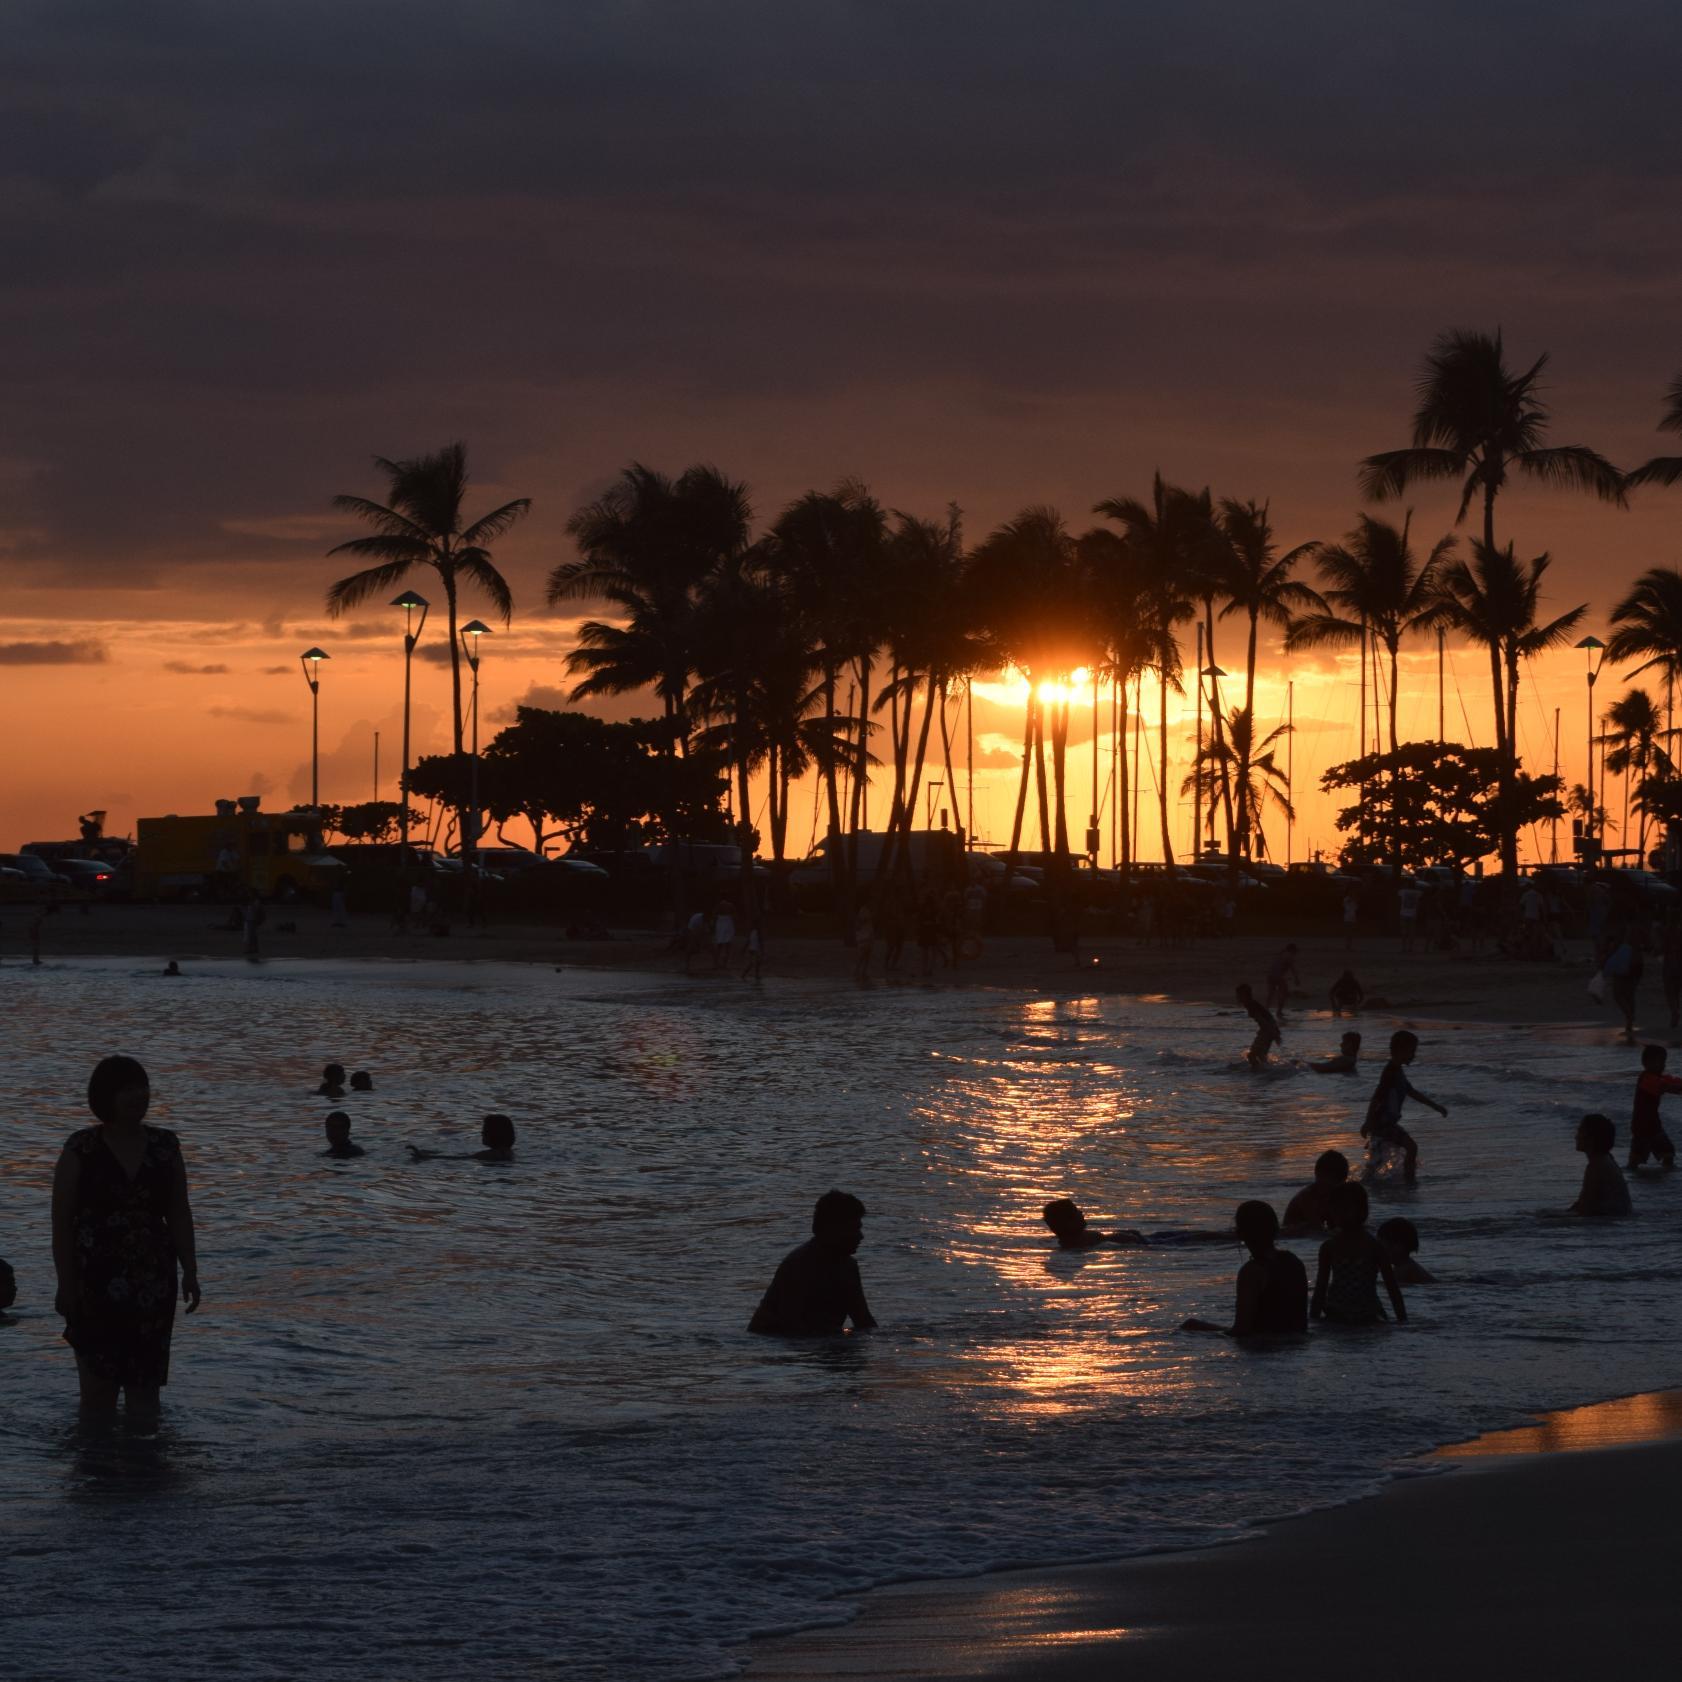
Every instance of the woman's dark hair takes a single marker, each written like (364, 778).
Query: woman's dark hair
(498, 1133)
(1349, 1204)
(1256, 1220)
(112, 1075)
(1600, 1131)
(1401, 1232)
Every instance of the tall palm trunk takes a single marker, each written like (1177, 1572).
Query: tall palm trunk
(1220, 725)
(861, 777)
(832, 794)
(1162, 758)
(1040, 788)
(1123, 778)
(1062, 927)
(1244, 746)
(1022, 786)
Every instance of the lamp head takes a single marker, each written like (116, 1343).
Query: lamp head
(476, 628)
(316, 654)
(409, 600)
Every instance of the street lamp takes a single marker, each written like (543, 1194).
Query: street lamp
(470, 635)
(1596, 653)
(409, 602)
(311, 660)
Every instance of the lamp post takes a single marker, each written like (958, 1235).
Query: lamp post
(1596, 653)
(311, 660)
(470, 635)
(409, 602)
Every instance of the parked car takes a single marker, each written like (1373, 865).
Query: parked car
(39, 880)
(87, 877)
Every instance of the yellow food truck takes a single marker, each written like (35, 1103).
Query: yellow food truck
(225, 856)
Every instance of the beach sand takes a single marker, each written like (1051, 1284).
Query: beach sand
(1458, 986)
(1546, 1553)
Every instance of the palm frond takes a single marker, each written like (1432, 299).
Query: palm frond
(1572, 467)
(492, 525)
(1661, 470)
(353, 591)
(1389, 474)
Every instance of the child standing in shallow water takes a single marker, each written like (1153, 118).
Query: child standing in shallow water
(1383, 1126)
(1267, 1029)
(1352, 1262)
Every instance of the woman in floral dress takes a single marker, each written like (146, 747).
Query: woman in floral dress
(121, 1222)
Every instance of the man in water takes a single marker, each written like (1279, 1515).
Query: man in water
(1267, 1030)
(1272, 1284)
(1604, 1190)
(816, 1288)
(338, 1137)
(1647, 1136)
(1309, 1213)
(1347, 994)
(1063, 1215)
(496, 1134)
(1347, 1061)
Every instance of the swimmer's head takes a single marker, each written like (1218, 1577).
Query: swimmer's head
(172, 968)
(1063, 1216)
(1349, 1204)
(1653, 1059)
(119, 1091)
(8, 1285)
(1403, 1045)
(1257, 1224)
(1351, 1043)
(333, 1075)
(338, 1128)
(838, 1220)
(1398, 1234)
(362, 1081)
(1331, 1168)
(496, 1133)
(1596, 1135)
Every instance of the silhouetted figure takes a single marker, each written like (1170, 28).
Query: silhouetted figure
(121, 1221)
(362, 1081)
(172, 971)
(1346, 1062)
(1623, 969)
(753, 969)
(1063, 1215)
(1352, 1262)
(1267, 1029)
(8, 1285)
(1604, 1190)
(35, 927)
(332, 1081)
(338, 1137)
(340, 909)
(496, 1134)
(1647, 1136)
(252, 920)
(1400, 1238)
(1347, 994)
(816, 1288)
(1310, 1211)
(1272, 1284)
(1383, 1126)
(724, 934)
(1281, 978)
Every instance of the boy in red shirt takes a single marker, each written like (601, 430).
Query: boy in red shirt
(1647, 1136)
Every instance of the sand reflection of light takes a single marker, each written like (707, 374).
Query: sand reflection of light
(1617, 1424)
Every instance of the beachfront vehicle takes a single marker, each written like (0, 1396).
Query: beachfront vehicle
(932, 854)
(240, 848)
(87, 878)
(509, 862)
(39, 880)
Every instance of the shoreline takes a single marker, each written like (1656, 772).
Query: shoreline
(1416, 986)
(1577, 1506)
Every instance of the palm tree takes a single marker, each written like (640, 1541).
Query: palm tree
(1258, 581)
(1476, 421)
(1632, 721)
(420, 524)
(1664, 470)
(1169, 536)
(1253, 769)
(645, 546)
(1493, 599)
(1372, 584)
(1649, 629)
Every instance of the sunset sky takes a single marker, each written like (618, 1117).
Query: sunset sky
(980, 252)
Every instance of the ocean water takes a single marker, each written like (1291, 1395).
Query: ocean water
(446, 1419)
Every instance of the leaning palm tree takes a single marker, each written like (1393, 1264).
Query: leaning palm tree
(420, 524)
(1372, 584)
(1633, 723)
(1169, 537)
(1649, 629)
(1252, 767)
(1478, 422)
(1493, 600)
(1258, 580)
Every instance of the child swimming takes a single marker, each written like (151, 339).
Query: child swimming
(496, 1134)
(1347, 1060)
(1063, 1215)
(1352, 1262)
(338, 1137)
(332, 1081)
(362, 1081)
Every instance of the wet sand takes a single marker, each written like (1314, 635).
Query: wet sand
(1459, 986)
(1544, 1553)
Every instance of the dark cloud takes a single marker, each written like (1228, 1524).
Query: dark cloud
(185, 668)
(252, 715)
(87, 653)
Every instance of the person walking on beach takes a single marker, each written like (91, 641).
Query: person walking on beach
(1383, 1128)
(1352, 1262)
(1272, 1284)
(1623, 969)
(724, 934)
(754, 968)
(1647, 1136)
(1267, 1028)
(122, 1222)
(252, 918)
(816, 1288)
(1281, 978)
(1604, 1191)
(1407, 906)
